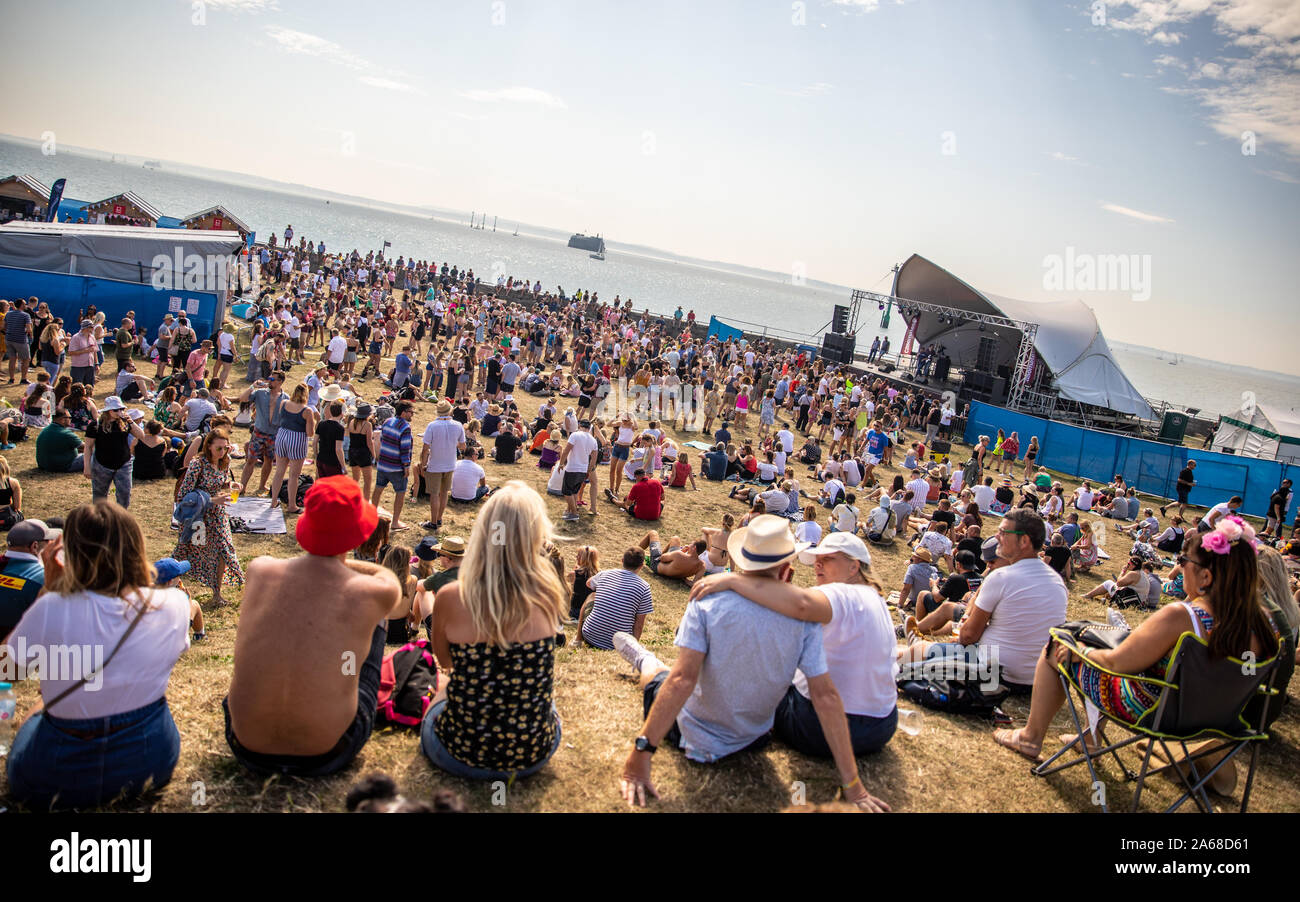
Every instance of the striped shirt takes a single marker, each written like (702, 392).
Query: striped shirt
(619, 597)
(395, 445)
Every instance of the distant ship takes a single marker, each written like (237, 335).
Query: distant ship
(587, 242)
(152, 164)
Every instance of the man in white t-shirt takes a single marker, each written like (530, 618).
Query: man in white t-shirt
(469, 480)
(443, 438)
(1219, 511)
(984, 494)
(1017, 604)
(337, 349)
(578, 461)
(831, 493)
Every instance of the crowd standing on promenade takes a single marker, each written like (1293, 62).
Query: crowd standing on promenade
(649, 404)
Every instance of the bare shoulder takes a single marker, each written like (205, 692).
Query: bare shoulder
(264, 566)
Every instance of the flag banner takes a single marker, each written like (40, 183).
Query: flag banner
(56, 196)
(906, 347)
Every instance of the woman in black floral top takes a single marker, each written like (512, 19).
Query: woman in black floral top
(494, 631)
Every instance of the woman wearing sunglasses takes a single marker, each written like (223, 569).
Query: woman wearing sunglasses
(1223, 608)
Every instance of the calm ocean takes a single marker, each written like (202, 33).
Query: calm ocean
(654, 279)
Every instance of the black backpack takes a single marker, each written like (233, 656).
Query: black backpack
(952, 685)
(304, 483)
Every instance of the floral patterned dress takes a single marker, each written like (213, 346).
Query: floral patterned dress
(210, 551)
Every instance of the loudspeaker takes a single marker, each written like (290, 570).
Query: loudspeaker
(886, 367)
(998, 390)
(1005, 372)
(980, 383)
(838, 348)
(941, 367)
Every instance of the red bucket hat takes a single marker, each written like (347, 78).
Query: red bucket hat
(336, 518)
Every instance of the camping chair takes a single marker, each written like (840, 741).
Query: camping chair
(1199, 698)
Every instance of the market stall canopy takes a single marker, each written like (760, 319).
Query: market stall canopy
(1267, 433)
(1069, 341)
(126, 253)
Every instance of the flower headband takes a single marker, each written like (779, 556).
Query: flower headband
(1226, 533)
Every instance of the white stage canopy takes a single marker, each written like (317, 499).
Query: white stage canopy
(1069, 341)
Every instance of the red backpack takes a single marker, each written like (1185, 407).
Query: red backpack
(408, 679)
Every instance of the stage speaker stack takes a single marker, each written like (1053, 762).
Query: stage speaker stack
(838, 348)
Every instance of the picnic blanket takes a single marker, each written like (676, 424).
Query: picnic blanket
(699, 446)
(258, 517)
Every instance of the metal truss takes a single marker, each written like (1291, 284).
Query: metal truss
(1016, 396)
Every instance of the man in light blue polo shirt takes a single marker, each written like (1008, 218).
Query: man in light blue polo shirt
(735, 663)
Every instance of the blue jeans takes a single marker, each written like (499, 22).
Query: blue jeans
(101, 477)
(49, 766)
(797, 725)
(437, 753)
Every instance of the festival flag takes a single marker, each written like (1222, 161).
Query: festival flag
(56, 196)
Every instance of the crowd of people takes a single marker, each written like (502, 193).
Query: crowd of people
(991, 552)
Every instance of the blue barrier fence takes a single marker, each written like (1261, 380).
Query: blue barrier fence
(1152, 467)
(68, 295)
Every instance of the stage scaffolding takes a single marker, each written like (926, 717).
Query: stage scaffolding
(1018, 394)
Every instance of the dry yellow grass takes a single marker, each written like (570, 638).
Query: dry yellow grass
(952, 766)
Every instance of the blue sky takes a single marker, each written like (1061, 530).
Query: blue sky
(840, 136)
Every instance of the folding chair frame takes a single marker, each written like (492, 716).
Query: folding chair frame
(1193, 783)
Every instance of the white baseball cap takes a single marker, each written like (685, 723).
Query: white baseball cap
(843, 542)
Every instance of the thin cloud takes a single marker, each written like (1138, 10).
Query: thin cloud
(816, 89)
(1280, 176)
(301, 42)
(516, 94)
(863, 6)
(387, 84)
(1062, 157)
(242, 6)
(1134, 214)
(1259, 93)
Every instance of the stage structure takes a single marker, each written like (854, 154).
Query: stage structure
(1048, 358)
(911, 310)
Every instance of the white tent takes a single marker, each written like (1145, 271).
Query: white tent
(1268, 434)
(1069, 341)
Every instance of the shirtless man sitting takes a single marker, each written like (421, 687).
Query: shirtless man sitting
(678, 562)
(302, 696)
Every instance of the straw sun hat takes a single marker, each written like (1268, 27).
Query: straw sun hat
(767, 542)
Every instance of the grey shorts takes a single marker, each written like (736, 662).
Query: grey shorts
(20, 351)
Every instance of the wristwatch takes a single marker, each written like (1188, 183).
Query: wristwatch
(643, 745)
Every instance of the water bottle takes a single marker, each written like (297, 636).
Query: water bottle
(8, 720)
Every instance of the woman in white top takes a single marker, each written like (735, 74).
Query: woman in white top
(858, 636)
(110, 735)
(225, 353)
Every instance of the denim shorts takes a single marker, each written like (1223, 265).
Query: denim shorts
(437, 753)
(620, 452)
(48, 766)
(395, 478)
